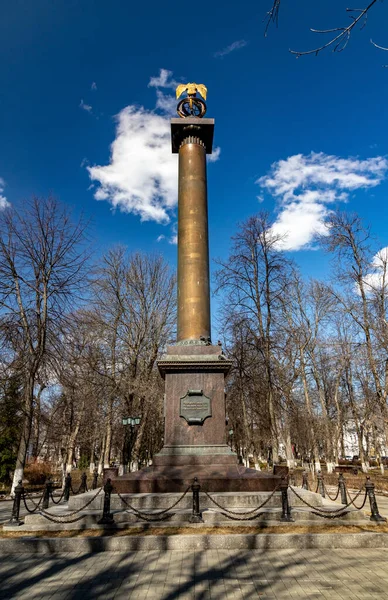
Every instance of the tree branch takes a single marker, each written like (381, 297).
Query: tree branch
(340, 41)
(272, 16)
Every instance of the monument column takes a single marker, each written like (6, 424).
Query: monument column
(193, 368)
(193, 245)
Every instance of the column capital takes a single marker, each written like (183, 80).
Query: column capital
(192, 127)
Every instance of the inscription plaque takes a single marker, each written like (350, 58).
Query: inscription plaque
(195, 407)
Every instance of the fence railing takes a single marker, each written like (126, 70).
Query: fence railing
(366, 492)
(41, 504)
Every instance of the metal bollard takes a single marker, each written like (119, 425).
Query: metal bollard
(286, 508)
(19, 491)
(342, 488)
(196, 516)
(95, 479)
(370, 490)
(305, 481)
(48, 488)
(107, 517)
(321, 485)
(83, 486)
(66, 492)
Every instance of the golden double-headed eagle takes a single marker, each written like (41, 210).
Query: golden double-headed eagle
(192, 89)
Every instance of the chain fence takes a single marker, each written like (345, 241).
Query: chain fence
(59, 499)
(28, 497)
(154, 516)
(333, 499)
(329, 513)
(65, 518)
(242, 516)
(348, 503)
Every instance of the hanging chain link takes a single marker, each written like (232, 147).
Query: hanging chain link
(324, 511)
(328, 495)
(239, 515)
(64, 518)
(154, 516)
(60, 498)
(57, 520)
(25, 497)
(351, 500)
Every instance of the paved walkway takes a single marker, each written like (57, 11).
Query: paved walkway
(215, 574)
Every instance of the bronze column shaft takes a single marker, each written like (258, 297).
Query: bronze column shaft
(193, 243)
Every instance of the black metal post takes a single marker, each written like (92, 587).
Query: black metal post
(321, 485)
(19, 491)
(83, 486)
(196, 516)
(66, 493)
(47, 493)
(107, 517)
(286, 508)
(370, 490)
(342, 488)
(305, 481)
(95, 479)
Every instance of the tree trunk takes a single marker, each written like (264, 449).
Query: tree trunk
(288, 445)
(101, 458)
(108, 438)
(26, 433)
(73, 438)
(353, 407)
(310, 414)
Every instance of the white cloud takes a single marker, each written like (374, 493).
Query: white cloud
(378, 276)
(305, 187)
(163, 80)
(231, 48)
(93, 86)
(85, 107)
(160, 238)
(142, 176)
(3, 200)
(165, 103)
(215, 155)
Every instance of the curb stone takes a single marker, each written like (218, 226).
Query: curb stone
(271, 541)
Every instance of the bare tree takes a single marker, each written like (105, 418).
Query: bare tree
(41, 267)
(254, 279)
(349, 240)
(132, 316)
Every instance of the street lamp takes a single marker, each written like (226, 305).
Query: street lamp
(132, 422)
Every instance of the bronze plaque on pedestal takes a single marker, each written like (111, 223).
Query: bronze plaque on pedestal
(195, 407)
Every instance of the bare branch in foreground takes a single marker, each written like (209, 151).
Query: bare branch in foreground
(272, 16)
(343, 34)
(379, 47)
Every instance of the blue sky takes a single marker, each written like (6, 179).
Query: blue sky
(72, 72)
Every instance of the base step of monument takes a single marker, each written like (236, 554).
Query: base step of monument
(230, 500)
(150, 505)
(181, 518)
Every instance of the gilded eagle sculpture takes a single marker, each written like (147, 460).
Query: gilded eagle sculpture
(191, 106)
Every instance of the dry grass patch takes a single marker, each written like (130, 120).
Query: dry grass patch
(215, 530)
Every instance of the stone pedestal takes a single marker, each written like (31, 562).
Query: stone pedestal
(195, 429)
(194, 406)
